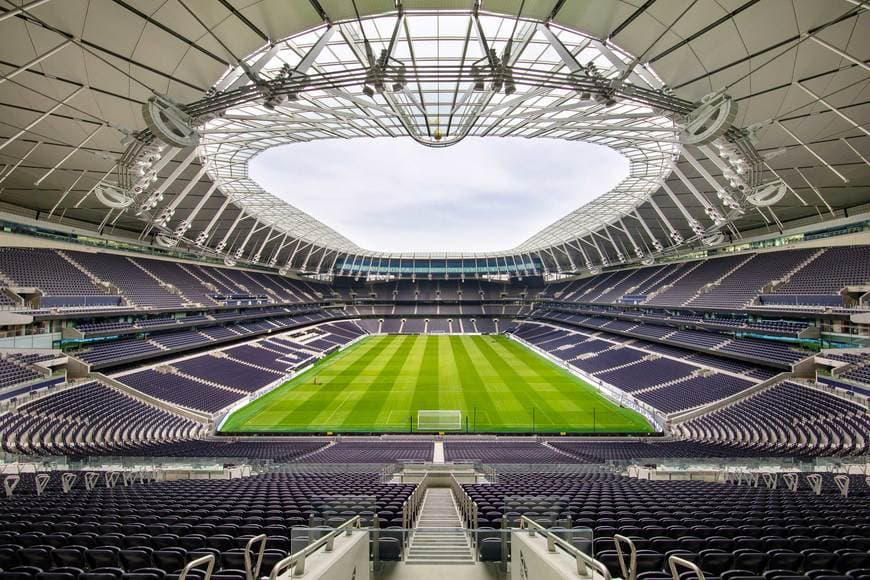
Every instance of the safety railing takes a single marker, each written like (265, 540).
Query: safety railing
(467, 510)
(490, 474)
(674, 562)
(297, 560)
(467, 506)
(583, 560)
(629, 571)
(387, 472)
(252, 570)
(412, 505)
(207, 559)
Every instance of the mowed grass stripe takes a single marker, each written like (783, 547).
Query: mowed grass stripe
(333, 385)
(404, 385)
(595, 410)
(526, 400)
(380, 382)
(372, 397)
(355, 383)
(450, 389)
(273, 408)
(426, 390)
(481, 402)
(549, 386)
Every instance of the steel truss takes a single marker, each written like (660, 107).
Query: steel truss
(483, 75)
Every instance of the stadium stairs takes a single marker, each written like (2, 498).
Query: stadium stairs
(439, 536)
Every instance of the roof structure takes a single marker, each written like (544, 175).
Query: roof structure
(139, 118)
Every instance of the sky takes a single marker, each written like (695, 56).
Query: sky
(480, 195)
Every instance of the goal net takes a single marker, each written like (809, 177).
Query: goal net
(439, 420)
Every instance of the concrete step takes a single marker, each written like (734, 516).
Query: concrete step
(436, 553)
(438, 452)
(439, 537)
(456, 550)
(441, 562)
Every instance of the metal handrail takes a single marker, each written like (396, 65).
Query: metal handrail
(467, 510)
(10, 482)
(467, 506)
(815, 481)
(412, 505)
(298, 559)
(207, 559)
(252, 572)
(582, 559)
(843, 482)
(675, 561)
(629, 572)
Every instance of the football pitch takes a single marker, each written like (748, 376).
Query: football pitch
(379, 383)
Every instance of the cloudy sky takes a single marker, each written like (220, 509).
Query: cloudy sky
(478, 195)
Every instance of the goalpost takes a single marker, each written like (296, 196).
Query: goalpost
(439, 420)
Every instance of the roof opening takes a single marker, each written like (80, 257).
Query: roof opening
(393, 195)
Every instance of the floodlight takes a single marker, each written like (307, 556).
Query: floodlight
(509, 86)
(271, 102)
(478, 79)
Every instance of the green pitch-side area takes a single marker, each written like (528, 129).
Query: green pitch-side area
(379, 384)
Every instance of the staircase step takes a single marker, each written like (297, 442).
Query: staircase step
(439, 537)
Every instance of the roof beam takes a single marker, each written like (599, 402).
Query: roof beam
(320, 11)
(170, 31)
(22, 9)
(87, 45)
(39, 119)
(624, 24)
(244, 20)
(832, 108)
(841, 53)
(750, 57)
(811, 152)
(716, 23)
(35, 61)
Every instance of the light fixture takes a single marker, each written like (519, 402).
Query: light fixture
(270, 99)
(164, 217)
(400, 77)
(509, 86)
(479, 85)
(182, 228)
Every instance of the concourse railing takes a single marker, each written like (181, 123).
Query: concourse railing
(297, 561)
(583, 560)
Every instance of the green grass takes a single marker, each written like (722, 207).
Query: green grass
(379, 382)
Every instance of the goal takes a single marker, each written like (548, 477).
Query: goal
(439, 420)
